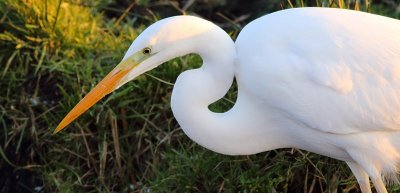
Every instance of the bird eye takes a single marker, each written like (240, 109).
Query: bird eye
(147, 50)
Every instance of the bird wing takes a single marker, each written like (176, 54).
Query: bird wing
(333, 70)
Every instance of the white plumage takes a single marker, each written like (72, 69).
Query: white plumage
(318, 79)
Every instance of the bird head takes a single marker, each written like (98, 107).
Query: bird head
(160, 42)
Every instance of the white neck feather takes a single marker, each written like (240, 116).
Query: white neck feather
(238, 131)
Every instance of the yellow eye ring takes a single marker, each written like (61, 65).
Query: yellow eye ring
(146, 50)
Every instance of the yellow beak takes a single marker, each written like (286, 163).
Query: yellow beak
(104, 87)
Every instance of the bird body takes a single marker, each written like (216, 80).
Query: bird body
(323, 80)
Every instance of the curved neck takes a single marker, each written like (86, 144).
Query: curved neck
(241, 130)
(203, 86)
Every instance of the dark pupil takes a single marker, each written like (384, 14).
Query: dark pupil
(146, 51)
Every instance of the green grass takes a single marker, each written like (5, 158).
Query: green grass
(128, 142)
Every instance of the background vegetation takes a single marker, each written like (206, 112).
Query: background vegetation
(52, 52)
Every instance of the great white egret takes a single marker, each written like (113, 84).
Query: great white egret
(319, 79)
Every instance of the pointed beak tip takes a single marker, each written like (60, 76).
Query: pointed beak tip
(54, 132)
(58, 129)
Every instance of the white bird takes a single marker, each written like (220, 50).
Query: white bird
(319, 79)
